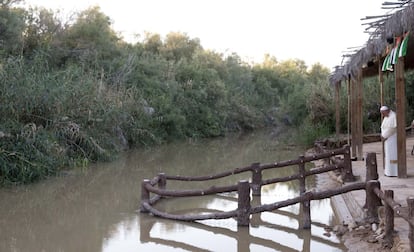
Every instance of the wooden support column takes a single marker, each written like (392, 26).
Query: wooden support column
(145, 195)
(359, 117)
(256, 179)
(381, 82)
(243, 210)
(372, 201)
(354, 119)
(337, 108)
(347, 174)
(304, 205)
(400, 110)
(389, 219)
(371, 164)
(410, 203)
(348, 123)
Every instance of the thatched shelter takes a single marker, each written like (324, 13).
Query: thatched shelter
(386, 32)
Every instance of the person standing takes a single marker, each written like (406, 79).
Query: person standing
(389, 135)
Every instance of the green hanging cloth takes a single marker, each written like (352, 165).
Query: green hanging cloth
(404, 44)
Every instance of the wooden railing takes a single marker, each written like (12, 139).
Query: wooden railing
(157, 186)
(335, 160)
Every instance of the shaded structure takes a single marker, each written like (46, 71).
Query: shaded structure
(390, 48)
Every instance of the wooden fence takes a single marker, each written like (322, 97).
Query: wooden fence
(337, 160)
(376, 198)
(157, 186)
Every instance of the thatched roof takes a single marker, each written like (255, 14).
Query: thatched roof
(380, 28)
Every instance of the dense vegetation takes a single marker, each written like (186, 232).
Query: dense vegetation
(74, 92)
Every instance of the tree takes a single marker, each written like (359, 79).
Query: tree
(12, 25)
(43, 32)
(91, 40)
(178, 46)
(152, 42)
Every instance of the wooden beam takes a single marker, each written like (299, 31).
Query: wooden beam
(381, 82)
(359, 106)
(348, 123)
(354, 119)
(400, 110)
(337, 108)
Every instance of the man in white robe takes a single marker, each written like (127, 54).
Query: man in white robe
(389, 135)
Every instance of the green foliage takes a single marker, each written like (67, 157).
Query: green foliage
(75, 93)
(309, 132)
(12, 25)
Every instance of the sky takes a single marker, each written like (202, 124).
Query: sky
(316, 31)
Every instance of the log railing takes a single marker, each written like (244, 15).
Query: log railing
(374, 196)
(157, 186)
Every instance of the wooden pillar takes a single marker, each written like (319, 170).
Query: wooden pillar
(359, 116)
(372, 201)
(410, 203)
(256, 179)
(337, 108)
(348, 123)
(371, 164)
(400, 110)
(354, 119)
(389, 219)
(302, 179)
(381, 82)
(162, 182)
(145, 195)
(347, 173)
(243, 210)
(304, 205)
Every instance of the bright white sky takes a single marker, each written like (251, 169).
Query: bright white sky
(310, 30)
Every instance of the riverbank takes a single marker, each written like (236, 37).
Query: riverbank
(349, 207)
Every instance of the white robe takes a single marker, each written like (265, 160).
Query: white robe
(389, 133)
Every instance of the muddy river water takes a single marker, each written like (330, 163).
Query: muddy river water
(97, 209)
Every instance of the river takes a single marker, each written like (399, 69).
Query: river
(97, 209)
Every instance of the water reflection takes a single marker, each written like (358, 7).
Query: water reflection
(96, 210)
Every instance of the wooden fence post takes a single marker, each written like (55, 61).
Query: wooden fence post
(243, 210)
(145, 195)
(162, 182)
(305, 205)
(302, 179)
(347, 174)
(389, 220)
(410, 203)
(256, 179)
(373, 201)
(371, 164)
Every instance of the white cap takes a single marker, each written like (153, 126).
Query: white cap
(384, 108)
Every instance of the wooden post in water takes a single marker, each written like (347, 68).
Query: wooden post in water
(305, 205)
(410, 203)
(389, 219)
(302, 179)
(347, 173)
(162, 182)
(243, 210)
(145, 195)
(256, 179)
(373, 201)
(371, 164)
